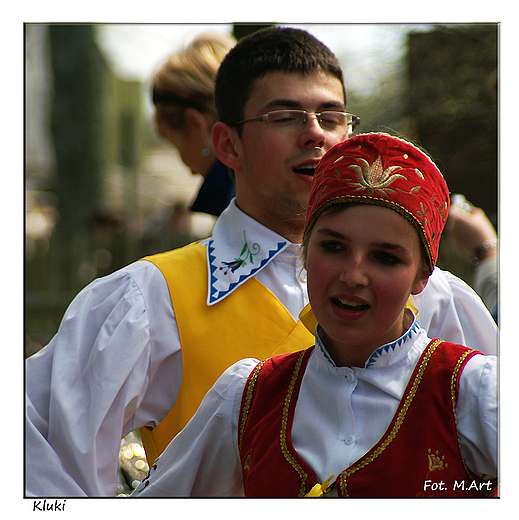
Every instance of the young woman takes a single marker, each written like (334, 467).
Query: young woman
(375, 408)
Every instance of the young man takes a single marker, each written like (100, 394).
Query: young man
(129, 340)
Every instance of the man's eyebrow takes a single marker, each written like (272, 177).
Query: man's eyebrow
(294, 104)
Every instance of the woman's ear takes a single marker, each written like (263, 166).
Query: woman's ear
(226, 144)
(196, 125)
(420, 283)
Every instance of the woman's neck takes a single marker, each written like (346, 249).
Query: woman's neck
(355, 357)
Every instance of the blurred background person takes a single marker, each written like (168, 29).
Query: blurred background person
(183, 95)
(473, 235)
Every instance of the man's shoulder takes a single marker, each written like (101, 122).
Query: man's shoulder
(438, 284)
(450, 283)
(189, 252)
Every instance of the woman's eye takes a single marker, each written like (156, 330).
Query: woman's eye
(331, 246)
(387, 258)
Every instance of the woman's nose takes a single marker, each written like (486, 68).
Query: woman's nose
(354, 272)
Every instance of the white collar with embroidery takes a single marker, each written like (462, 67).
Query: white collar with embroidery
(239, 248)
(384, 355)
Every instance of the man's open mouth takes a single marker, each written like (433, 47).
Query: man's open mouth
(306, 170)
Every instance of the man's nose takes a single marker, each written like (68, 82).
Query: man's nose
(312, 134)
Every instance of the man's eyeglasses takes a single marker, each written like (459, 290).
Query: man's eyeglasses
(329, 120)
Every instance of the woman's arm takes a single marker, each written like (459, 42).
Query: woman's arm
(203, 459)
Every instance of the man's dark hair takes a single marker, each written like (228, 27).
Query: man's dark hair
(268, 50)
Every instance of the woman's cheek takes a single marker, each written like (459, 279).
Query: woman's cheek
(321, 272)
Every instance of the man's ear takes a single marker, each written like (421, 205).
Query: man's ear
(226, 145)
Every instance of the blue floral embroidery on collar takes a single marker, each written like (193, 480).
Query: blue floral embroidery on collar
(385, 348)
(324, 352)
(247, 255)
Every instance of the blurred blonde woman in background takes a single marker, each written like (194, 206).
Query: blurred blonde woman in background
(183, 95)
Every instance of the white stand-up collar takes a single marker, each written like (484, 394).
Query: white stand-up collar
(238, 249)
(386, 355)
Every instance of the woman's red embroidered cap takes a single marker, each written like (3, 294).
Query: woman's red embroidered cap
(383, 170)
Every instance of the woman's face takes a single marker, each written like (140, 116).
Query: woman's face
(193, 141)
(363, 262)
(190, 151)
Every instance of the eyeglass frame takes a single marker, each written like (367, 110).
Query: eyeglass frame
(265, 117)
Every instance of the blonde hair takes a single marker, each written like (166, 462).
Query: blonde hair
(189, 76)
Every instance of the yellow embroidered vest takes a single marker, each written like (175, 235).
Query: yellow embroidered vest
(249, 322)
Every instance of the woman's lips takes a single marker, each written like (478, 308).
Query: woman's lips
(349, 308)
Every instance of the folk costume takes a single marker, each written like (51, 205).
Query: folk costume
(118, 359)
(298, 425)
(338, 417)
(400, 464)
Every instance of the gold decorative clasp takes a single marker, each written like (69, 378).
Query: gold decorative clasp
(320, 490)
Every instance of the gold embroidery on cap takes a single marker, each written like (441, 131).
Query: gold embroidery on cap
(423, 214)
(374, 177)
